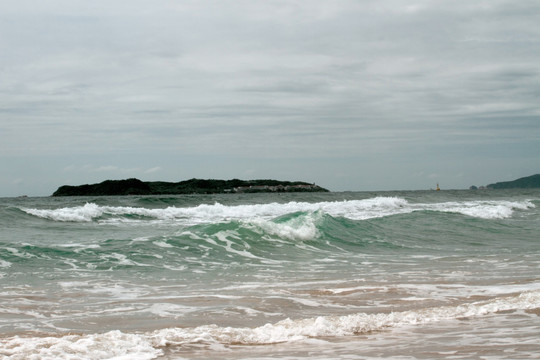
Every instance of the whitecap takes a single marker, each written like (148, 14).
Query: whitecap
(352, 209)
(77, 214)
(300, 228)
(484, 209)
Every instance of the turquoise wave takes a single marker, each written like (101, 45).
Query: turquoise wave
(291, 237)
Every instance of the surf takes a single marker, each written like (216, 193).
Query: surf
(152, 345)
(207, 213)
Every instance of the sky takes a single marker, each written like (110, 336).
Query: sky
(351, 95)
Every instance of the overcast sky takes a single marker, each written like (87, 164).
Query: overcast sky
(351, 95)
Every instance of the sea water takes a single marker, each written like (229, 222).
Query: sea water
(406, 275)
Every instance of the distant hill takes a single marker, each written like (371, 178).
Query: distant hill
(192, 186)
(527, 182)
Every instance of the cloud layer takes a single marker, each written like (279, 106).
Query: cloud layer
(353, 95)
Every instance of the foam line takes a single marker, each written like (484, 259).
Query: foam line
(351, 209)
(145, 346)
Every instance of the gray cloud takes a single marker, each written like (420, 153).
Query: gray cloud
(343, 93)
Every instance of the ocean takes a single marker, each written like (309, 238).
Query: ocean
(341, 275)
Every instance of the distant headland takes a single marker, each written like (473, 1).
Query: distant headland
(528, 182)
(193, 186)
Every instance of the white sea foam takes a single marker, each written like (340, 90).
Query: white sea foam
(223, 236)
(352, 209)
(489, 209)
(17, 253)
(169, 310)
(79, 213)
(118, 345)
(112, 345)
(299, 228)
(162, 244)
(118, 291)
(335, 326)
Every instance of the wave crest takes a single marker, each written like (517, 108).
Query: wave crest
(350, 209)
(85, 213)
(302, 227)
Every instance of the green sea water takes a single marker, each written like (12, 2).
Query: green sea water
(292, 275)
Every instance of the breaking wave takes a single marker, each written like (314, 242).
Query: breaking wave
(349, 209)
(151, 345)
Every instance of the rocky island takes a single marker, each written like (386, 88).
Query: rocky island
(193, 186)
(527, 182)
